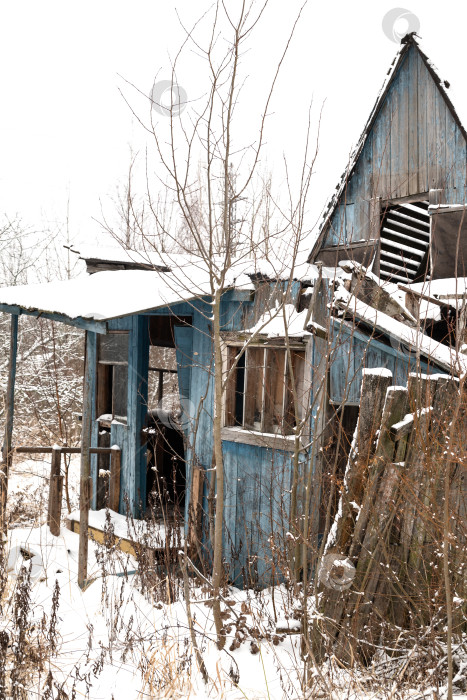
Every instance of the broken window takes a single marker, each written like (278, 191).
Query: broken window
(262, 389)
(162, 377)
(112, 375)
(405, 240)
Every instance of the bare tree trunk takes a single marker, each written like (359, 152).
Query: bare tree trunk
(219, 467)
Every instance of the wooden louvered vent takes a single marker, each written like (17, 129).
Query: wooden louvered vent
(405, 237)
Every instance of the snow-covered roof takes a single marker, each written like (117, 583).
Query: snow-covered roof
(109, 294)
(442, 84)
(450, 288)
(273, 322)
(444, 356)
(115, 293)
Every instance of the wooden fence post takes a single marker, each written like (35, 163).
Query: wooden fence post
(55, 493)
(194, 519)
(114, 486)
(9, 410)
(85, 481)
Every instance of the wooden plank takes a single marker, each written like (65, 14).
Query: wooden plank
(461, 167)
(119, 436)
(55, 512)
(33, 449)
(7, 453)
(400, 136)
(115, 469)
(402, 428)
(254, 384)
(132, 466)
(377, 158)
(54, 472)
(345, 370)
(83, 323)
(395, 408)
(338, 606)
(230, 510)
(85, 475)
(416, 457)
(432, 163)
(450, 165)
(423, 77)
(375, 220)
(441, 110)
(386, 117)
(350, 222)
(419, 388)
(373, 397)
(125, 545)
(354, 632)
(413, 157)
(95, 429)
(248, 508)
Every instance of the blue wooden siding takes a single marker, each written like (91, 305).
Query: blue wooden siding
(257, 506)
(413, 146)
(257, 478)
(352, 351)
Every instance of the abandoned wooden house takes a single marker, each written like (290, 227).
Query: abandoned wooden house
(367, 298)
(396, 225)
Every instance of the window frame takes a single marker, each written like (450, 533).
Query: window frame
(249, 432)
(107, 371)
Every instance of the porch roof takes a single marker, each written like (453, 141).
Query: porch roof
(105, 295)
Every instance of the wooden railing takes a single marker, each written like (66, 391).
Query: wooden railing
(56, 479)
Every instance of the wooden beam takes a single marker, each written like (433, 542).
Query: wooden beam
(402, 428)
(55, 493)
(115, 468)
(425, 297)
(9, 413)
(33, 450)
(79, 322)
(85, 481)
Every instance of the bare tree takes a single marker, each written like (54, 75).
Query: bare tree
(213, 178)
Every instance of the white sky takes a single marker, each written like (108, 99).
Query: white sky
(65, 128)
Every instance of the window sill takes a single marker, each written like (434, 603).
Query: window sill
(258, 439)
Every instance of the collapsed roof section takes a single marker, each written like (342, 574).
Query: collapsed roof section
(379, 309)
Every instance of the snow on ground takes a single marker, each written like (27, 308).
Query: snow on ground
(141, 639)
(28, 489)
(118, 640)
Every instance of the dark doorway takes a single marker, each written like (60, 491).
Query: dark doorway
(166, 470)
(165, 479)
(341, 424)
